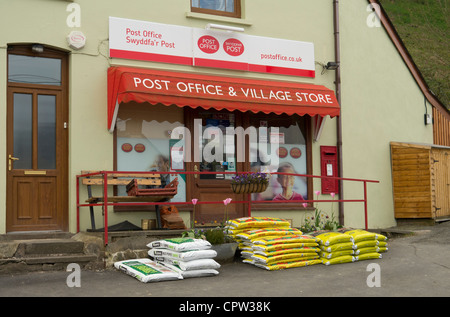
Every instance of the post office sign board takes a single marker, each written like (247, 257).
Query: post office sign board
(156, 42)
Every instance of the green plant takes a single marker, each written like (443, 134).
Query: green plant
(214, 236)
(320, 220)
(217, 235)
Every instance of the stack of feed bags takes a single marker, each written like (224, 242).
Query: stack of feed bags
(272, 244)
(367, 245)
(336, 247)
(187, 257)
(276, 253)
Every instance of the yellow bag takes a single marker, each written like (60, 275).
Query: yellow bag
(338, 247)
(338, 260)
(367, 256)
(288, 265)
(258, 222)
(268, 248)
(284, 257)
(366, 244)
(329, 238)
(305, 250)
(331, 255)
(361, 235)
(367, 250)
(277, 240)
(381, 237)
(257, 233)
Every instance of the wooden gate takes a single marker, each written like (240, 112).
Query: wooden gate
(440, 182)
(420, 180)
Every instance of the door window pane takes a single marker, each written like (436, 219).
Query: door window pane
(217, 145)
(34, 70)
(46, 132)
(23, 137)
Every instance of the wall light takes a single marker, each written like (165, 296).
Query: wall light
(224, 27)
(37, 48)
(332, 66)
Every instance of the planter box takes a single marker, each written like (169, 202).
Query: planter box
(225, 252)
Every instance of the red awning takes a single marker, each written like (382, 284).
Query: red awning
(127, 84)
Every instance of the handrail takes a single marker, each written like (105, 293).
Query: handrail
(105, 202)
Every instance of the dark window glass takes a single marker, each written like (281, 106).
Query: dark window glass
(34, 70)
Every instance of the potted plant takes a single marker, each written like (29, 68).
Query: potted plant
(221, 242)
(250, 183)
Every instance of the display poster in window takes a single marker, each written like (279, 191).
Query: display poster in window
(151, 155)
(281, 187)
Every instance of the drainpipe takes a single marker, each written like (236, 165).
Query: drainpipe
(338, 97)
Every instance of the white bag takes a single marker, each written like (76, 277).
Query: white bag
(183, 256)
(189, 265)
(198, 264)
(146, 270)
(192, 273)
(180, 244)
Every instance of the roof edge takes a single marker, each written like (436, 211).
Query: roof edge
(401, 48)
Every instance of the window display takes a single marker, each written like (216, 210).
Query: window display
(281, 147)
(149, 138)
(144, 143)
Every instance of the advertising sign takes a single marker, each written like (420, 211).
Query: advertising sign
(148, 41)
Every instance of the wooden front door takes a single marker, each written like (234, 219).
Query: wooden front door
(36, 153)
(205, 127)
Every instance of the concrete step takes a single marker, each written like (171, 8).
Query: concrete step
(48, 253)
(39, 247)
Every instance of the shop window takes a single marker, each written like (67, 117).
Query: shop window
(231, 8)
(281, 147)
(143, 141)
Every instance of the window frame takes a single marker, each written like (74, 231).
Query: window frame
(235, 14)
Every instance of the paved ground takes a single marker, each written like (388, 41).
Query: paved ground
(417, 266)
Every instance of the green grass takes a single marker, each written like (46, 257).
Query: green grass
(423, 26)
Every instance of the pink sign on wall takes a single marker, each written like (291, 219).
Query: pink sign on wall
(148, 41)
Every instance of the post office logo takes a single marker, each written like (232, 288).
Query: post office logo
(208, 44)
(233, 47)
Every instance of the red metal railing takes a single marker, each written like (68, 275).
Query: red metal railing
(249, 202)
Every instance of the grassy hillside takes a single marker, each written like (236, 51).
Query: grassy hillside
(424, 28)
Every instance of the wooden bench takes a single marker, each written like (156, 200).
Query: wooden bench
(132, 181)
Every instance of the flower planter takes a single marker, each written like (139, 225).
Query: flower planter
(249, 188)
(225, 252)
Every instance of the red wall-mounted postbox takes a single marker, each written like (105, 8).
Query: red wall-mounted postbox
(329, 167)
